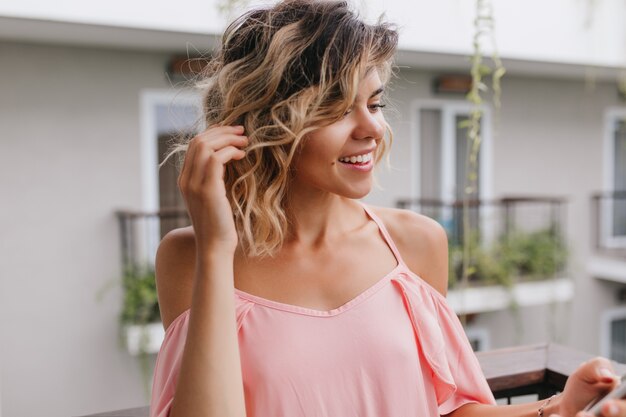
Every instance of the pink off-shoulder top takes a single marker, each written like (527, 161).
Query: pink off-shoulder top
(396, 350)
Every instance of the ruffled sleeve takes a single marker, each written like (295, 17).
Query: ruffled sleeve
(456, 373)
(167, 366)
(170, 357)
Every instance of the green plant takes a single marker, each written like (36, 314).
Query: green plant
(530, 255)
(533, 255)
(230, 7)
(484, 25)
(140, 304)
(140, 307)
(483, 267)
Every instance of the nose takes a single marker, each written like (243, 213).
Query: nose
(369, 125)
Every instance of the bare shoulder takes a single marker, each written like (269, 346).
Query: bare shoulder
(174, 268)
(422, 242)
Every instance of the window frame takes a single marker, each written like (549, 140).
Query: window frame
(606, 319)
(449, 110)
(149, 102)
(611, 117)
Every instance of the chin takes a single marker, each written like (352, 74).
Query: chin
(357, 194)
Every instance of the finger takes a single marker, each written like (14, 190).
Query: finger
(614, 409)
(598, 370)
(218, 142)
(229, 153)
(215, 167)
(211, 164)
(220, 130)
(233, 132)
(201, 162)
(184, 175)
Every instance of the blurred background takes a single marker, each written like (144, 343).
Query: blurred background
(91, 92)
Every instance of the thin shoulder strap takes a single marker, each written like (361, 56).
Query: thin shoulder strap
(385, 233)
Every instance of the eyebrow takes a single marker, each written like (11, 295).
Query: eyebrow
(377, 92)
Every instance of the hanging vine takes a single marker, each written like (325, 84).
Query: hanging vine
(228, 8)
(483, 29)
(589, 20)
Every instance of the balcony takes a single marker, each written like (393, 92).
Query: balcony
(513, 374)
(608, 260)
(517, 249)
(517, 246)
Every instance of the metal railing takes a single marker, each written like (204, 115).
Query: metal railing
(497, 216)
(141, 232)
(512, 237)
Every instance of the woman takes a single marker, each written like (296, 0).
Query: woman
(288, 297)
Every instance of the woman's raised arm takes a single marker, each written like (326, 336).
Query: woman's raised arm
(200, 274)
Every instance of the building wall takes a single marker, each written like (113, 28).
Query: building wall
(588, 33)
(70, 129)
(69, 138)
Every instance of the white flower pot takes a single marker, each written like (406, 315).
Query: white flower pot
(496, 297)
(150, 336)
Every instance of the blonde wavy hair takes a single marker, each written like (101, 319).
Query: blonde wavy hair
(282, 72)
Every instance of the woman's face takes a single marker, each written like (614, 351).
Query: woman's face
(339, 158)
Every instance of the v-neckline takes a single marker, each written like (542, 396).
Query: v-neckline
(349, 304)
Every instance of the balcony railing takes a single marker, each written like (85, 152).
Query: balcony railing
(514, 241)
(609, 223)
(491, 220)
(141, 232)
(537, 371)
(489, 217)
(510, 238)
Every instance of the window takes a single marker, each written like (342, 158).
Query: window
(613, 334)
(174, 121)
(619, 177)
(441, 157)
(165, 115)
(613, 208)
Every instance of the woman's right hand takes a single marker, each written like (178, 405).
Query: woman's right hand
(201, 182)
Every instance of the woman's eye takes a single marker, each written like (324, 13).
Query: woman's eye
(372, 108)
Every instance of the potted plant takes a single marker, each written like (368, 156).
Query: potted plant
(516, 255)
(140, 321)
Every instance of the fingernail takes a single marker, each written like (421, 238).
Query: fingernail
(607, 374)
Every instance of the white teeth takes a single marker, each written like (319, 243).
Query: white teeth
(357, 159)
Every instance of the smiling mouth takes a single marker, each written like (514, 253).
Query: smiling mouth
(359, 159)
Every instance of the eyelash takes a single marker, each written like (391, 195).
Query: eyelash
(377, 106)
(373, 107)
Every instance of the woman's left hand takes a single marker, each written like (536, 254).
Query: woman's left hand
(592, 379)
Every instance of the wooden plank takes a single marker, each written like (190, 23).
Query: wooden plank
(130, 412)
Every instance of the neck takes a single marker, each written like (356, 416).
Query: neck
(319, 218)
